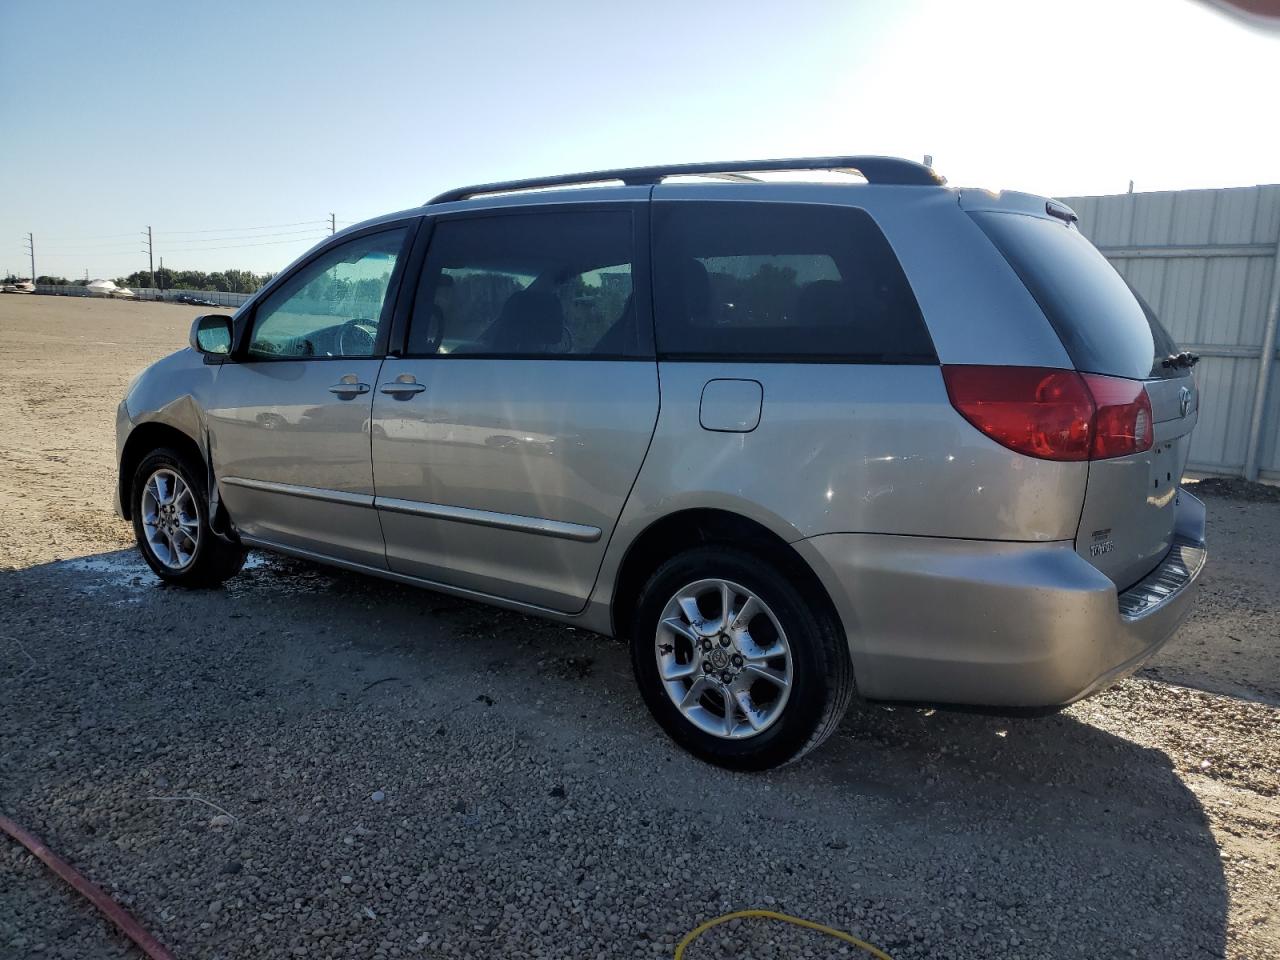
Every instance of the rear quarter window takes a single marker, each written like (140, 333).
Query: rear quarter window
(1104, 325)
(774, 281)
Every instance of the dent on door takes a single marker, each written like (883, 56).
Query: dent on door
(290, 447)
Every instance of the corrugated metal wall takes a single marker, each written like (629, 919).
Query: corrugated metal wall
(1205, 260)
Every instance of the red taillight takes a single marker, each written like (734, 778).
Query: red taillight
(1053, 414)
(1042, 413)
(1122, 424)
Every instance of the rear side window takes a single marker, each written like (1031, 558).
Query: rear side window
(774, 281)
(1104, 325)
(555, 284)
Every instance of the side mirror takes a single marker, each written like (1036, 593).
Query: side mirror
(211, 334)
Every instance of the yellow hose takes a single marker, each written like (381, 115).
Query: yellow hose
(702, 928)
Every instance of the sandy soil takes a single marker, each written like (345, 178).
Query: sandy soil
(526, 805)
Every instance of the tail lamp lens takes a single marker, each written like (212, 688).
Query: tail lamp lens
(1053, 414)
(1122, 424)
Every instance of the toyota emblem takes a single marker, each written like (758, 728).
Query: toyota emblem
(1184, 400)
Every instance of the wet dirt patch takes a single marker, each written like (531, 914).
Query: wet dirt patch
(124, 573)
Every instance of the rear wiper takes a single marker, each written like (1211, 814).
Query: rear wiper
(1185, 359)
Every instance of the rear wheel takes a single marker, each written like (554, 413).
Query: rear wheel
(170, 520)
(735, 661)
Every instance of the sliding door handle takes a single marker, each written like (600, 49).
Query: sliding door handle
(403, 387)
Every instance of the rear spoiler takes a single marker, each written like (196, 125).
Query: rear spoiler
(1011, 201)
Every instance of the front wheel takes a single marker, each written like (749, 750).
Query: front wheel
(736, 662)
(170, 520)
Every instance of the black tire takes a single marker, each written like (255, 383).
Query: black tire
(822, 683)
(214, 560)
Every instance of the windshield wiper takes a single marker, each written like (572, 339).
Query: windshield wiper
(1185, 359)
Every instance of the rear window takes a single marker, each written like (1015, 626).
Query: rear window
(772, 281)
(1104, 325)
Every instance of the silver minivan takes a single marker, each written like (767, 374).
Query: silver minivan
(793, 440)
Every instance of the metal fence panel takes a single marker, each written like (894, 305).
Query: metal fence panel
(1206, 261)
(221, 298)
(1270, 448)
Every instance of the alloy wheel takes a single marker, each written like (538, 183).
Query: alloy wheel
(723, 659)
(170, 519)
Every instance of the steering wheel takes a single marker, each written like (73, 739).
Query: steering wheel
(355, 338)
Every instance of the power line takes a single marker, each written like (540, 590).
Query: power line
(90, 242)
(241, 246)
(124, 252)
(250, 236)
(89, 250)
(265, 226)
(192, 241)
(90, 246)
(88, 253)
(98, 236)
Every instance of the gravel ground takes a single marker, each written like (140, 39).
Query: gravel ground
(315, 764)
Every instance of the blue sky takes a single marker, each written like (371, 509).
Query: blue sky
(234, 128)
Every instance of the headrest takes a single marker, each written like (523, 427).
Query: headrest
(823, 303)
(695, 291)
(531, 321)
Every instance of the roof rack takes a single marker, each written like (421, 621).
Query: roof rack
(890, 170)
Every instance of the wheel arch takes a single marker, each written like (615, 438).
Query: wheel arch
(694, 527)
(144, 439)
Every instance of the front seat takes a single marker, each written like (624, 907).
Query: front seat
(531, 321)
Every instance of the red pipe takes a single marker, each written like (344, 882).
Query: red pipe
(130, 927)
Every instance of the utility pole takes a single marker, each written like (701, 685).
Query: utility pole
(151, 265)
(333, 225)
(31, 249)
(162, 278)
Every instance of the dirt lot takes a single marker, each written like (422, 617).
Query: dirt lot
(409, 775)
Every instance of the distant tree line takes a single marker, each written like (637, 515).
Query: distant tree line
(51, 281)
(230, 281)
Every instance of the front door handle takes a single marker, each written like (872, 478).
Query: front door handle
(349, 386)
(403, 387)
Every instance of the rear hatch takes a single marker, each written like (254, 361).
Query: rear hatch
(1126, 525)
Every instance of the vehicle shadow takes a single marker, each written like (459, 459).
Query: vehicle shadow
(1227, 646)
(934, 833)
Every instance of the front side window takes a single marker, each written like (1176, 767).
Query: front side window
(774, 281)
(332, 307)
(529, 285)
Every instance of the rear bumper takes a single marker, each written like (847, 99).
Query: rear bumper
(997, 623)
